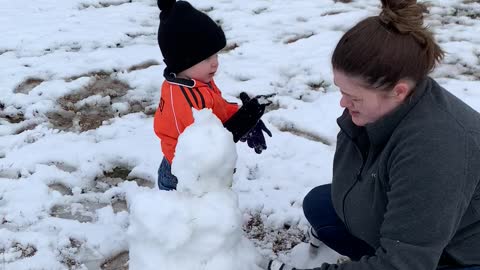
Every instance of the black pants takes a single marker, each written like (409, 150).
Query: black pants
(318, 209)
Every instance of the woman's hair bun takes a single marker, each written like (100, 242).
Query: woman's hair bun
(395, 5)
(165, 4)
(406, 16)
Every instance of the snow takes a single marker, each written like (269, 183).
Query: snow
(80, 80)
(205, 156)
(183, 231)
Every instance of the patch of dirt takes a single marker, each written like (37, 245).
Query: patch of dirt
(89, 107)
(16, 251)
(26, 86)
(301, 19)
(64, 190)
(207, 9)
(117, 262)
(85, 210)
(61, 119)
(119, 205)
(118, 175)
(144, 106)
(62, 166)
(139, 34)
(463, 69)
(466, 11)
(73, 48)
(69, 253)
(27, 251)
(25, 126)
(118, 172)
(142, 182)
(331, 13)
(272, 107)
(472, 72)
(81, 211)
(319, 86)
(93, 74)
(230, 47)
(259, 10)
(343, 1)
(298, 37)
(290, 127)
(252, 172)
(219, 22)
(255, 228)
(103, 4)
(5, 51)
(144, 65)
(104, 183)
(10, 173)
(111, 178)
(13, 118)
(280, 240)
(102, 84)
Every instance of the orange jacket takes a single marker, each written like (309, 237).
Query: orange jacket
(174, 112)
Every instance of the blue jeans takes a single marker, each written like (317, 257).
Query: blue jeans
(166, 180)
(331, 230)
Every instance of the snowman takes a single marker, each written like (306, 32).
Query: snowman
(199, 226)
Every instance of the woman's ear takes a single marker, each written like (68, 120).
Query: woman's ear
(402, 90)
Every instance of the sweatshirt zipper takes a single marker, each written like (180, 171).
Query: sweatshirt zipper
(357, 176)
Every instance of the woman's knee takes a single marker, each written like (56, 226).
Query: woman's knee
(316, 201)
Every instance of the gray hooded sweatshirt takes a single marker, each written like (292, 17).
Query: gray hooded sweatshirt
(414, 193)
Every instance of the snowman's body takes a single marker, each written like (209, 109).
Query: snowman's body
(198, 226)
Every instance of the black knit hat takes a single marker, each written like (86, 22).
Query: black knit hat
(186, 35)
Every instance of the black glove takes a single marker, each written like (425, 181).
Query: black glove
(246, 117)
(255, 138)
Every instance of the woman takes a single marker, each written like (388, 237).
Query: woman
(405, 193)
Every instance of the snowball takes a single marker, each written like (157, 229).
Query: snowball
(205, 156)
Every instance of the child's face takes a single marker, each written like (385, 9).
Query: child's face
(203, 71)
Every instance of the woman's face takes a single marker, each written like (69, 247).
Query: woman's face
(365, 105)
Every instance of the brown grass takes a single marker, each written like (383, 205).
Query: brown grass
(282, 239)
(229, 47)
(88, 117)
(307, 135)
(297, 38)
(144, 65)
(26, 86)
(319, 86)
(117, 262)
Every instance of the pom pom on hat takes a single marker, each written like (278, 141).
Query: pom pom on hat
(165, 4)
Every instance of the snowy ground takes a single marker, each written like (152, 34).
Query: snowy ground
(80, 81)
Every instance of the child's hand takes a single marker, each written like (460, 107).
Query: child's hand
(255, 138)
(262, 99)
(246, 118)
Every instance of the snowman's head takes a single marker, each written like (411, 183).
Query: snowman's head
(205, 156)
